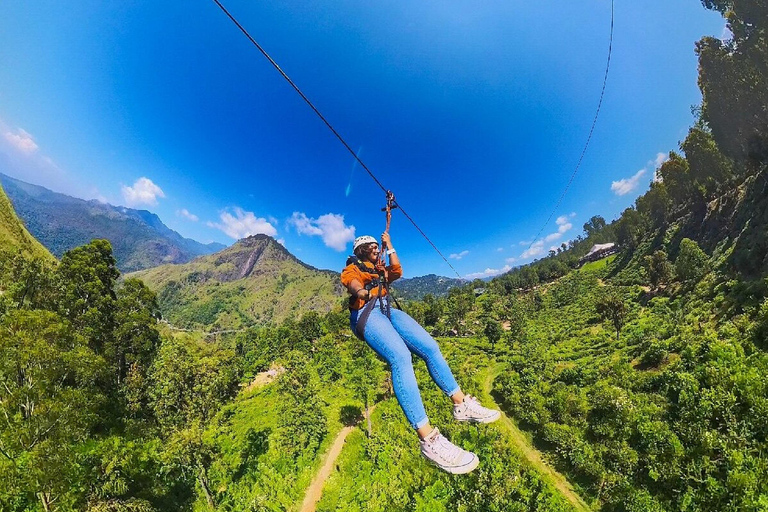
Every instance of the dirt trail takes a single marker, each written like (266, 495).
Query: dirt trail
(264, 378)
(315, 490)
(532, 455)
(529, 452)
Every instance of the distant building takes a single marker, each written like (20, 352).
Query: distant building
(599, 251)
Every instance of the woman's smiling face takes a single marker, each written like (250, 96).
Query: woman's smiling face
(372, 252)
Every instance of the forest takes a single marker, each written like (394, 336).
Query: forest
(642, 377)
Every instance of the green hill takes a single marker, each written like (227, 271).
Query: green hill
(254, 282)
(60, 222)
(13, 235)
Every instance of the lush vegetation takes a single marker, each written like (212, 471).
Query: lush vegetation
(643, 377)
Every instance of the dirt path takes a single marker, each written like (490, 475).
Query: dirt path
(264, 378)
(315, 490)
(529, 452)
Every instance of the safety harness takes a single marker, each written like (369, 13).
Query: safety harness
(381, 280)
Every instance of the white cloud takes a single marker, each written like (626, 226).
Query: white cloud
(489, 272)
(281, 241)
(330, 227)
(563, 226)
(21, 140)
(627, 185)
(459, 255)
(660, 159)
(243, 224)
(536, 249)
(500, 249)
(185, 213)
(144, 191)
(510, 260)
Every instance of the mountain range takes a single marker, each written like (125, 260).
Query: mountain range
(416, 288)
(60, 222)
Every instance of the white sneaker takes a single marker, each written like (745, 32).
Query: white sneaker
(471, 410)
(446, 455)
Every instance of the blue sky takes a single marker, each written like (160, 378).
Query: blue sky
(473, 113)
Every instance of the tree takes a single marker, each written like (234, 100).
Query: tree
(610, 305)
(49, 403)
(86, 291)
(594, 225)
(493, 332)
(310, 327)
(459, 303)
(675, 174)
(659, 269)
(302, 424)
(691, 263)
(655, 204)
(136, 338)
(189, 382)
(709, 168)
(26, 281)
(734, 83)
(630, 228)
(433, 309)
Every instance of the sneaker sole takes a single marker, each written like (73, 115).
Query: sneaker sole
(456, 470)
(489, 419)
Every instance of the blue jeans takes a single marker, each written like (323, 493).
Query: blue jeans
(394, 341)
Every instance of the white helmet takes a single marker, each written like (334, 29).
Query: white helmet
(362, 240)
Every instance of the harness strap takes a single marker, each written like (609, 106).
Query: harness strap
(362, 320)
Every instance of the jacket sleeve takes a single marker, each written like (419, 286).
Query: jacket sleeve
(395, 272)
(349, 274)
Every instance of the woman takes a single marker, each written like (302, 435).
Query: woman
(394, 339)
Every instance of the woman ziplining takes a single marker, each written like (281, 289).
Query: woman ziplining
(394, 335)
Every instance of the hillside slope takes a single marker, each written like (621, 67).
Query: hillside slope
(139, 238)
(13, 234)
(254, 282)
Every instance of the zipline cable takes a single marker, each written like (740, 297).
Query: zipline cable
(589, 137)
(330, 127)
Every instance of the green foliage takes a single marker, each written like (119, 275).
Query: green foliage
(659, 269)
(594, 225)
(760, 331)
(49, 402)
(630, 228)
(86, 292)
(302, 424)
(26, 282)
(610, 305)
(733, 80)
(190, 381)
(691, 263)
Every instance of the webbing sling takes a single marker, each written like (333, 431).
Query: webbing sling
(366, 310)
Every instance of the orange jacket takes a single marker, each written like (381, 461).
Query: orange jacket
(352, 272)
